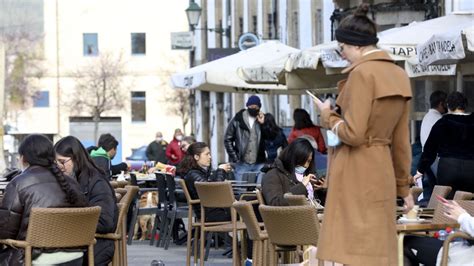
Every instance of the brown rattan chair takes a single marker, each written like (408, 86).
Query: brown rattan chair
(120, 254)
(463, 195)
(218, 195)
(256, 234)
(192, 223)
(296, 200)
(260, 198)
(416, 192)
(468, 205)
(122, 183)
(441, 191)
(53, 228)
(114, 184)
(290, 226)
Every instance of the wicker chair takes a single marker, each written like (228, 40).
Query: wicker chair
(122, 183)
(468, 205)
(256, 234)
(463, 195)
(218, 195)
(290, 226)
(191, 223)
(441, 191)
(114, 184)
(296, 200)
(120, 254)
(59, 228)
(260, 198)
(416, 192)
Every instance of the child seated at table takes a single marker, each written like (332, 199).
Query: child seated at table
(428, 250)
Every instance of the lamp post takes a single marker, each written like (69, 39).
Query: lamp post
(193, 13)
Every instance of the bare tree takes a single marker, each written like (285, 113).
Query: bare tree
(177, 102)
(21, 59)
(99, 88)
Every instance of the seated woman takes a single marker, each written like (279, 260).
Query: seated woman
(41, 184)
(74, 161)
(196, 164)
(293, 171)
(429, 250)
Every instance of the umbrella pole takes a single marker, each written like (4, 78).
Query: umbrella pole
(459, 81)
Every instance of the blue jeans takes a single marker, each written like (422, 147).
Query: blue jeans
(241, 168)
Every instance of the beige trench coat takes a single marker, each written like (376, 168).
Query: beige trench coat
(370, 167)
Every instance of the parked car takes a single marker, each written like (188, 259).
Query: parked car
(138, 154)
(138, 158)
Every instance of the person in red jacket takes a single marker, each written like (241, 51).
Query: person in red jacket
(173, 151)
(304, 126)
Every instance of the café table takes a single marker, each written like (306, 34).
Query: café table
(404, 228)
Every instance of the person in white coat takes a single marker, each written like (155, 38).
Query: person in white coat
(428, 250)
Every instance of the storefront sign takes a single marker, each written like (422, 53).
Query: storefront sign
(182, 40)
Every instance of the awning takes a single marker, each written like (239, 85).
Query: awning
(221, 75)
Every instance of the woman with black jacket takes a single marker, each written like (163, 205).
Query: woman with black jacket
(74, 161)
(197, 168)
(273, 137)
(41, 184)
(451, 139)
(293, 171)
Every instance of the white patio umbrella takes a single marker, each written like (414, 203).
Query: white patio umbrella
(447, 47)
(221, 75)
(320, 66)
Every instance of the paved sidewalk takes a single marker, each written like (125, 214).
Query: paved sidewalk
(140, 253)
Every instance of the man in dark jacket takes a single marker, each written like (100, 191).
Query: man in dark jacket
(156, 150)
(104, 154)
(243, 139)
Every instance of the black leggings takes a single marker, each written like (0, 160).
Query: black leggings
(456, 173)
(427, 249)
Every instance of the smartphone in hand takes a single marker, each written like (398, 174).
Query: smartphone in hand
(313, 96)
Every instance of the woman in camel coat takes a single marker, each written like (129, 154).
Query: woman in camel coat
(371, 165)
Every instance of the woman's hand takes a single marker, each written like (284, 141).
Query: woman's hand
(322, 105)
(309, 179)
(417, 176)
(226, 167)
(409, 203)
(453, 210)
(151, 170)
(319, 183)
(261, 118)
(306, 179)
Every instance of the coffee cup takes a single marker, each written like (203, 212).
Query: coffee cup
(413, 213)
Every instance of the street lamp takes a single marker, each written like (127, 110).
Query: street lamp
(193, 12)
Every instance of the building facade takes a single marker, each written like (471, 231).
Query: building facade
(300, 24)
(77, 35)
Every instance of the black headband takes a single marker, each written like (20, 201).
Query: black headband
(355, 38)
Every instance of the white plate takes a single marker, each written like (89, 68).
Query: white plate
(404, 220)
